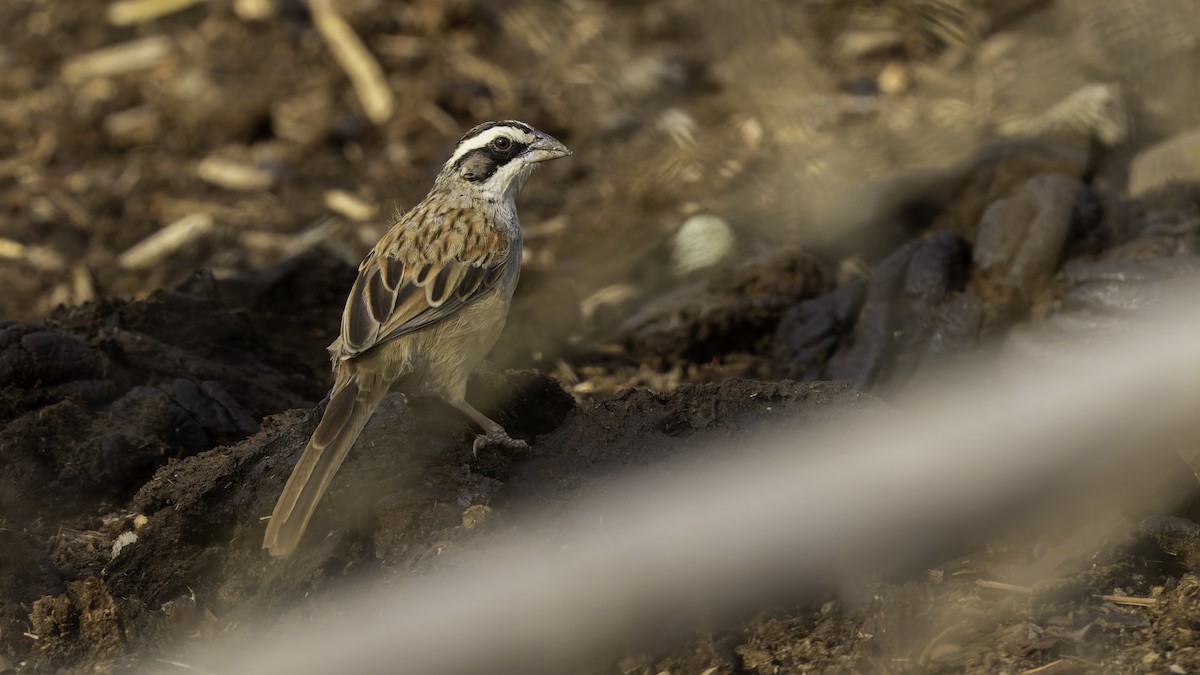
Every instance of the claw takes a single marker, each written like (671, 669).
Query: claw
(500, 439)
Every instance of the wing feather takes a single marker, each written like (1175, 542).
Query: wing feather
(472, 278)
(393, 271)
(446, 284)
(380, 299)
(358, 326)
(399, 289)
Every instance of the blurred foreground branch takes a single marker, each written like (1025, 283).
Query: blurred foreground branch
(793, 513)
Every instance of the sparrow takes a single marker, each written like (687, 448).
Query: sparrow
(429, 302)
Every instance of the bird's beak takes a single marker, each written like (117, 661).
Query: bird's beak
(546, 148)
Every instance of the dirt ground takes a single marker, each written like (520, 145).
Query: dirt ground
(778, 213)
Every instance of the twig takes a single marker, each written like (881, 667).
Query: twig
(83, 286)
(185, 666)
(13, 250)
(1001, 586)
(118, 59)
(1059, 667)
(1128, 600)
(166, 241)
(352, 55)
(233, 175)
(129, 12)
(349, 205)
(313, 235)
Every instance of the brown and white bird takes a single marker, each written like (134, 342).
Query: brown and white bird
(429, 302)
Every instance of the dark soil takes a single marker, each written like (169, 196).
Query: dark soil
(149, 414)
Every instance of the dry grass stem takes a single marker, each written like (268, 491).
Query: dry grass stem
(1128, 600)
(1001, 586)
(126, 57)
(12, 250)
(233, 175)
(349, 205)
(1059, 667)
(154, 249)
(129, 12)
(352, 55)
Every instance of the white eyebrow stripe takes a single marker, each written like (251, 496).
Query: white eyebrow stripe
(476, 142)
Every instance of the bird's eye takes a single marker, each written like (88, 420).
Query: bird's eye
(501, 143)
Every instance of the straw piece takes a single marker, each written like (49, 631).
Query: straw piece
(173, 237)
(118, 59)
(130, 12)
(349, 205)
(233, 175)
(352, 55)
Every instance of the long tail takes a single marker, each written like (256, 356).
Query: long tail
(353, 399)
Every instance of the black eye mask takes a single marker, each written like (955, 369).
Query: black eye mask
(482, 163)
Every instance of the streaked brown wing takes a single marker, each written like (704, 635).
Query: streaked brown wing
(392, 297)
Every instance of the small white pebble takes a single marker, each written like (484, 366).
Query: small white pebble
(254, 10)
(894, 79)
(701, 242)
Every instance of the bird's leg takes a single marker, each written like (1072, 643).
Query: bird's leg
(493, 433)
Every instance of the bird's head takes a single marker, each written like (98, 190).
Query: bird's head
(493, 160)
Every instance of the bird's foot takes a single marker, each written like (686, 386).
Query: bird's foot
(497, 439)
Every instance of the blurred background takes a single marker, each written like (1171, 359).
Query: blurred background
(864, 191)
(142, 141)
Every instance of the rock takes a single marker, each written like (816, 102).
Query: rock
(1174, 160)
(1104, 291)
(890, 319)
(1020, 243)
(1113, 285)
(701, 242)
(812, 331)
(735, 312)
(902, 292)
(1002, 172)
